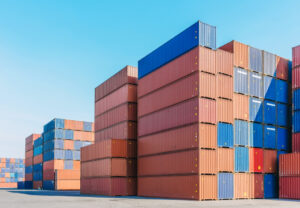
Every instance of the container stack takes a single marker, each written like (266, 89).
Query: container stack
(29, 142)
(61, 152)
(38, 163)
(289, 164)
(108, 167)
(11, 172)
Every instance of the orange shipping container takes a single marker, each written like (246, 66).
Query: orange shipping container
(270, 161)
(84, 136)
(203, 187)
(65, 185)
(8, 185)
(224, 62)
(74, 125)
(224, 110)
(67, 174)
(224, 86)
(68, 144)
(53, 165)
(241, 185)
(282, 68)
(225, 159)
(240, 106)
(76, 165)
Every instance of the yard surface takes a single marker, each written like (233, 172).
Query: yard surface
(14, 198)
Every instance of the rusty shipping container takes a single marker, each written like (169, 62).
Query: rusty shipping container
(241, 107)
(224, 62)
(225, 159)
(270, 161)
(127, 75)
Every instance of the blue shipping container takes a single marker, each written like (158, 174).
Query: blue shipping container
(270, 186)
(68, 164)
(269, 88)
(269, 112)
(255, 109)
(283, 115)
(296, 121)
(255, 59)
(54, 124)
(28, 185)
(225, 186)
(282, 91)
(197, 34)
(241, 159)
(256, 85)
(87, 126)
(269, 64)
(38, 176)
(270, 137)
(283, 139)
(38, 167)
(38, 142)
(38, 151)
(48, 185)
(241, 81)
(241, 132)
(225, 135)
(21, 185)
(296, 99)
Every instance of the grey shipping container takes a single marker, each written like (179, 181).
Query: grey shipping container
(269, 64)
(255, 59)
(256, 85)
(241, 81)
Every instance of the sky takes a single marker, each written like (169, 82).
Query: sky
(53, 53)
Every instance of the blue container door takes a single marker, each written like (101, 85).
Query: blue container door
(270, 186)
(283, 139)
(225, 186)
(225, 135)
(256, 85)
(255, 59)
(296, 121)
(269, 112)
(283, 115)
(241, 81)
(256, 135)
(255, 110)
(241, 133)
(282, 91)
(269, 88)
(241, 159)
(270, 137)
(296, 99)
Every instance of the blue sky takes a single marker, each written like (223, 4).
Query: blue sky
(53, 53)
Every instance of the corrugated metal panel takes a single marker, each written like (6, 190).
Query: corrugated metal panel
(296, 142)
(296, 78)
(269, 63)
(283, 115)
(240, 106)
(241, 133)
(241, 80)
(225, 135)
(296, 123)
(255, 84)
(240, 53)
(225, 159)
(241, 159)
(283, 139)
(224, 62)
(296, 99)
(224, 110)
(256, 135)
(198, 34)
(269, 88)
(225, 186)
(289, 187)
(270, 161)
(255, 109)
(224, 86)
(67, 185)
(289, 164)
(255, 59)
(270, 186)
(256, 160)
(256, 186)
(282, 91)
(296, 56)
(270, 137)
(241, 185)
(269, 112)
(207, 60)
(282, 68)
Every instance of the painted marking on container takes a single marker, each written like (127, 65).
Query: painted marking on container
(241, 72)
(271, 129)
(256, 76)
(256, 101)
(270, 104)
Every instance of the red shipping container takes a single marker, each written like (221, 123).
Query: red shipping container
(224, 62)
(125, 94)
(270, 161)
(28, 161)
(256, 160)
(296, 56)
(29, 154)
(257, 186)
(125, 112)
(282, 68)
(38, 159)
(289, 164)
(125, 130)
(28, 177)
(296, 78)
(127, 75)
(109, 186)
(289, 187)
(37, 184)
(183, 138)
(296, 142)
(201, 161)
(195, 187)
(188, 112)
(49, 175)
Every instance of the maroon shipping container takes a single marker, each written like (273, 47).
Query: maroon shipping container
(195, 187)
(289, 164)
(296, 56)
(110, 186)
(183, 138)
(48, 175)
(191, 111)
(289, 187)
(29, 141)
(282, 68)
(128, 75)
(125, 130)
(109, 148)
(28, 161)
(125, 112)
(257, 186)
(296, 142)
(201, 161)
(108, 167)
(28, 177)
(125, 94)
(270, 161)
(296, 78)
(197, 84)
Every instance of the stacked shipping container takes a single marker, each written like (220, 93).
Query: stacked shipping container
(37, 174)
(61, 152)
(29, 142)
(109, 166)
(289, 168)
(11, 172)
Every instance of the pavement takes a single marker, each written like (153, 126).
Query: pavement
(15, 198)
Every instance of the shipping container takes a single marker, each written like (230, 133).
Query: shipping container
(269, 88)
(255, 109)
(240, 53)
(241, 158)
(224, 110)
(269, 61)
(296, 78)
(224, 62)
(296, 99)
(242, 185)
(270, 133)
(224, 86)
(296, 123)
(283, 142)
(225, 186)
(282, 68)
(197, 34)
(256, 160)
(255, 84)
(270, 161)
(289, 187)
(256, 186)
(289, 164)
(270, 186)
(296, 56)
(282, 91)
(256, 135)
(127, 75)
(269, 112)
(255, 59)
(241, 77)
(296, 142)
(225, 159)
(241, 132)
(283, 115)
(178, 139)
(240, 107)
(195, 187)
(225, 135)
